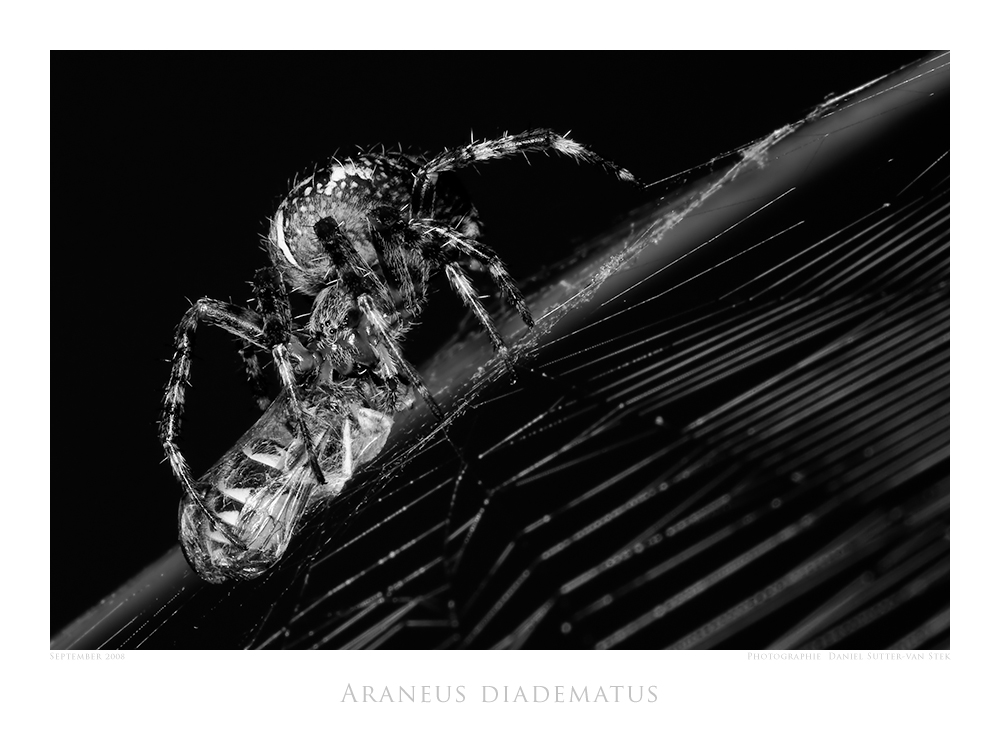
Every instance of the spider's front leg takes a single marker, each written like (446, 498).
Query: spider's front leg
(263, 295)
(373, 296)
(539, 140)
(276, 313)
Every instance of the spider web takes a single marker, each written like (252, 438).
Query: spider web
(729, 428)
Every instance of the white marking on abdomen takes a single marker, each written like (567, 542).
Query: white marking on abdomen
(279, 237)
(341, 172)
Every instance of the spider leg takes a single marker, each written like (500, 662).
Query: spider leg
(388, 233)
(276, 312)
(356, 274)
(286, 372)
(540, 140)
(487, 257)
(386, 336)
(236, 320)
(251, 362)
(392, 237)
(373, 295)
(463, 287)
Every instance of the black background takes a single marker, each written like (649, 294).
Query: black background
(165, 167)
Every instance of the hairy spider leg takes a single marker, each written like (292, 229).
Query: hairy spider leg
(255, 329)
(539, 140)
(373, 296)
(390, 238)
(362, 277)
(423, 237)
(263, 293)
(286, 373)
(386, 335)
(276, 312)
(488, 257)
(463, 288)
(238, 321)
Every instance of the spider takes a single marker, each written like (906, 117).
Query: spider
(361, 238)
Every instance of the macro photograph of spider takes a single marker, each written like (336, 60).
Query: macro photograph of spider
(539, 368)
(361, 238)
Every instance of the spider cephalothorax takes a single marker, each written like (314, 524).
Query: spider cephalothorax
(361, 237)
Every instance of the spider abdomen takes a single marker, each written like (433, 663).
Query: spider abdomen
(351, 193)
